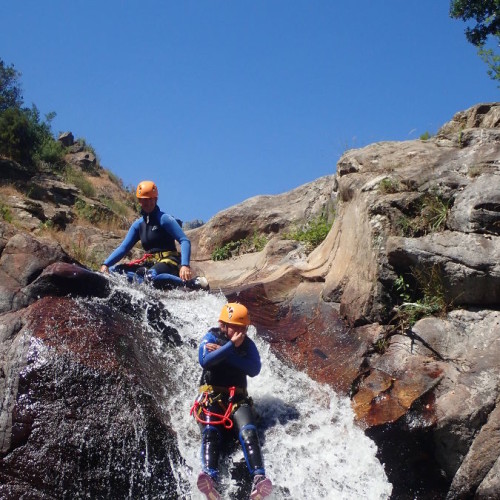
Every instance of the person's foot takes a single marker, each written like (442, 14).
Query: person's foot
(206, 485)
(262, 487)
(198, 283)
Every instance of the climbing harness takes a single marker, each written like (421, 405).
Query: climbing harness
(155, 258)
(206, 398)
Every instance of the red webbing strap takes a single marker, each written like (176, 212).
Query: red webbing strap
(224, 420)
(135, 262)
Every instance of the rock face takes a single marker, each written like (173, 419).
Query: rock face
(80, 393)
(415, 221)
(398, 307)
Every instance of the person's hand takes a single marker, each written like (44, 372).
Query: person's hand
(185, 273)
(211, 347)
(238, 338)
(104, 269)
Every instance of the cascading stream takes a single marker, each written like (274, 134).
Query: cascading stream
(103, 396)
(311, 446)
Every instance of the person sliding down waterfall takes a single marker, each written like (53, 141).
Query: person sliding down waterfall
(161, 264)
(223, 408)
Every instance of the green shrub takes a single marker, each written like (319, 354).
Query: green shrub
(18, 139)
(425, 136)
(5, 212)
(314, 232)
(226, 251)
(51, 151)
(115, 206)
(77, 178)
(86, 146)
(431, 212)
(80, 251)
(426, 297)
(255, 243)
(90, 212)
(388, 186)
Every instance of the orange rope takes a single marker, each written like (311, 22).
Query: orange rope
(224, 420)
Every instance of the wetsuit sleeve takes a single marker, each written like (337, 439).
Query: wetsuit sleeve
(249, 363)
(169, 224)
(126, 245)
(210, 358)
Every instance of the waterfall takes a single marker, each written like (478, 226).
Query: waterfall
(311, 446)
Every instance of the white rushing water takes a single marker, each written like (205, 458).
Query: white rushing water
(311, 446)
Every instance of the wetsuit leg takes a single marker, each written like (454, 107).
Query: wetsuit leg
(163, 274)
(133, 273)
(247, 433)
(211, 442)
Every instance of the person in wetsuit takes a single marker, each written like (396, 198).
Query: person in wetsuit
(223, 407)
(158, 232)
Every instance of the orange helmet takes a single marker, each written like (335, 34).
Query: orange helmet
(147, 189)
(235, 314)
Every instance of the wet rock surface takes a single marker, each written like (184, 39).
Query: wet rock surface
(81, 405)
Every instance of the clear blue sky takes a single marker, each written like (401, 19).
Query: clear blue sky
(221, 100)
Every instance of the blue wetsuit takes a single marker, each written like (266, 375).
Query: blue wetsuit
(158, 232)
(223, 368)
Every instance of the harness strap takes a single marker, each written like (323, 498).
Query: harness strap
(204, 399)
(168, 257)
(154, 258)
(135, 262)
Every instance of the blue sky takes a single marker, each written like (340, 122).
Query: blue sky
(221, 100)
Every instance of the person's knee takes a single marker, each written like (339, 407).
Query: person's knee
(151, 274)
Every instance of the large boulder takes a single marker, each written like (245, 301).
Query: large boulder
(269, 215)
(80, 405)
(22, 260)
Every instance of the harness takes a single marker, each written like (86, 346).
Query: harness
(212, 394)
(150, 259)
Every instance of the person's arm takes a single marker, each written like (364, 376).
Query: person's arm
(169, 224)
(208, 357)
(125, 246)
(250, 362)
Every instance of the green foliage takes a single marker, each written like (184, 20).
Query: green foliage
(313, 233)
(425, 136)
(92, 213)
(10, 88)
(5, 212)
(115, 206)
(431, 213)
(51, 151)
(388, 186)
(86, 146)
(425, 298)
(80, 251)
(48, 225)
(27, 139)
(381, 345)
(226, 251)
(18, 139)
(24, 137)
(76, 177)
(492, 60)
(486, 14)
(255, 243)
